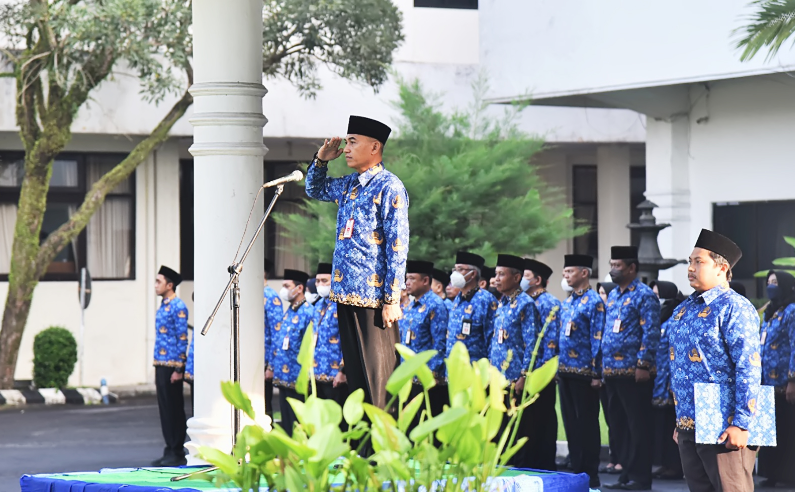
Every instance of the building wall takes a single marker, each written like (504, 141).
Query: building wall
(734, 146)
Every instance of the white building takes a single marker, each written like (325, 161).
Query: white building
(718, 131)
(597, 155)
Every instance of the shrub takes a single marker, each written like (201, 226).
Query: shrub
(54, 357)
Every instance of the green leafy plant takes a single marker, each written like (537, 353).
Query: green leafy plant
(772, 24)
(54, 357)
(462, 170)
(474, 447)
(783, 262)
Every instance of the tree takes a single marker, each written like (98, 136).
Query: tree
(60, 51)
(470, 183)
(771, 25)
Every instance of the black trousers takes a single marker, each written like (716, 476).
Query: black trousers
(666, 451)
(269, 398)
(542, 431)
(631, 414)
(614, 445)
(778, 463)
(579, 408)
(368, 349)
(171, 403)
(714, 467)
(437, 396)
(288, 415)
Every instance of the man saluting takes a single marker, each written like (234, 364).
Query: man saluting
(370, 254)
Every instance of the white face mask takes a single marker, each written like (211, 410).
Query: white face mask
(526, 284)
(286, 295)
(324, 291)
(312, 297)
(564, 285)
(457, 280)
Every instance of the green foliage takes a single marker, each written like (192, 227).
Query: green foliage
(781, 262)
(320, 457)
(470, 183)
(770, 26)
(355, 39)
(54, 357)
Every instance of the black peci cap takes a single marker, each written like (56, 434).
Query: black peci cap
(467, 258)
(487, 273)
(419, 267)
(538, 268)
(171, 275)
(623, 253)
(714, 242)
(441, 276)
(511, 261)
(296, 276)
(359, 125)
(585, 261)
(323, 268)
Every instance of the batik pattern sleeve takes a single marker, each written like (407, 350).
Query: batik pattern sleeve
(395, 215)
(320, 186)
(529, 320)
(650, 325)
(741, 333)
(438, 318)
(789, 322)
(597, 324)
(180, 314)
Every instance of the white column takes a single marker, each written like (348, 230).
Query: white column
(668, 186)
(228, 152)
(612, 176)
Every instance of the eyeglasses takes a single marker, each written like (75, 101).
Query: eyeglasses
(462, 270)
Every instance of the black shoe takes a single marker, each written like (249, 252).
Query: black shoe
(563, 463)
(631, 486)
(174, 462)
(158, 462)
(768, 483)
(608, 469)
(594, 483)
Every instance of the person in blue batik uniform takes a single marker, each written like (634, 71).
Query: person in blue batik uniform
(287, 337)
(171, 348)
(516, 330)
(273, 309)
(328, 364)
(439, 282)
(452, 293)
(370, 254)
(666, 451)
(778, 371)
(582, 322)
(714, 338)
(534, 282)
(629, 345)
(424, 328)
(472, 319)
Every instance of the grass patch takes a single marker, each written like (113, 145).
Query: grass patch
(602, 424)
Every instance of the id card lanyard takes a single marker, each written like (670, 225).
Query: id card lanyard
(617, 323)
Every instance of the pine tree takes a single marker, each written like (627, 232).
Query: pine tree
(470, 182)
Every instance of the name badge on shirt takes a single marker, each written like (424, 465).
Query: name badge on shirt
(314, 339)
(408, 337)
(617, 326)
(286, 343)
(466, 327)
(764, 337)
(568, 329)
(499, 336)
(348, 229)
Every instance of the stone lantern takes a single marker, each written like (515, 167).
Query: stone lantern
(651, 260)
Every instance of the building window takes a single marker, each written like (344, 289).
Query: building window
(758, 228)
(107, 244)
(584, 204)
(637, 191)
(448, 4)
(186, 219)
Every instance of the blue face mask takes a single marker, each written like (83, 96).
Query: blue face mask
(772, 291)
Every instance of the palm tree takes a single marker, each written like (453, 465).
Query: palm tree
(771, 25)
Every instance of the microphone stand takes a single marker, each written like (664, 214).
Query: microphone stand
(234, 286)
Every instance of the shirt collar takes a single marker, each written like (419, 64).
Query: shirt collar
(632, 287)
(512, 297)
(168, 299)
(538, 293)
(577, 294)
(364, 178)
(296, 306)
(468, 297)
(418, 301)
(711, 295)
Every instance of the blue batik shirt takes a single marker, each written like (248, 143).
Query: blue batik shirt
(424, 327)
(328, 353)
(189, 363)
(370, 263)
(476, 311)
(661, 395)
(714, 338)
(171, 340)
(274, 311)
(516, 328)
(284, 362)
(633, 342)
(778, 350)
(582, 324)
(545, 302)
(449, 304)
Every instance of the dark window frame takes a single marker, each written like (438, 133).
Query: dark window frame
(447, 4)
(593, 234)
(76, 195)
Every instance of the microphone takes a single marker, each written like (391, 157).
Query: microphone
(294, 176)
